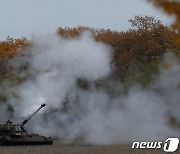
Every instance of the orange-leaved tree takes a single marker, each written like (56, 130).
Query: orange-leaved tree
(172, 8)
(9, 49)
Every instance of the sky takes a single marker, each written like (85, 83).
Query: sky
(22, 18)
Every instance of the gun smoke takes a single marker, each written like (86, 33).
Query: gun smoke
(55, 67)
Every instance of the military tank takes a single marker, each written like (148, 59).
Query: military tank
(15, 134)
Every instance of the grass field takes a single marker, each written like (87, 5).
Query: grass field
(74, 148)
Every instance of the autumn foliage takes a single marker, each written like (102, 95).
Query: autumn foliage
(147, 41)
(172, 8)
(137, 52)
(9, 48)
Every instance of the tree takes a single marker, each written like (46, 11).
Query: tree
(172, 8)
(9, 49)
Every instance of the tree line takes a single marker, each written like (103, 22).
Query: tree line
(137, 51)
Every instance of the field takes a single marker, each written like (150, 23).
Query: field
(77, 148)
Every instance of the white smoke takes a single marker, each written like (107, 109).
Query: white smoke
(92, 114)
(57, 64)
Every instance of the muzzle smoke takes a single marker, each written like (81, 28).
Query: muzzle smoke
(92, 114)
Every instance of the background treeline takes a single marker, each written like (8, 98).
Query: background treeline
(137, 52)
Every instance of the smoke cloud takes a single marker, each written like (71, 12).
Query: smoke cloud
(57, 64)
(92, 114)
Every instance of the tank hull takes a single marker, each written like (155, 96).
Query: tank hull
(15, 134)
(25, 140)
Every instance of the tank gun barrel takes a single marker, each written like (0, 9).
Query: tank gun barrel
(29, 118)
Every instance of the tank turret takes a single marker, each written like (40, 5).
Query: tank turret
(15, 134)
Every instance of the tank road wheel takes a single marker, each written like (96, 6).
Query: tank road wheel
(3, 140)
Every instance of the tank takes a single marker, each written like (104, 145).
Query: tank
(15, 134)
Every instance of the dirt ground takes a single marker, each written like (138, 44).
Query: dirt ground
(74, 148)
